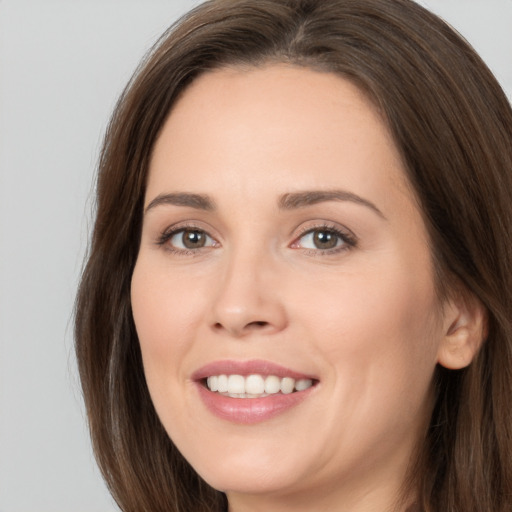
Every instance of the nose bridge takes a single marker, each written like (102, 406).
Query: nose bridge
(247, 298)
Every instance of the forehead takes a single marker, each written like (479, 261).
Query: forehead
(291, 126)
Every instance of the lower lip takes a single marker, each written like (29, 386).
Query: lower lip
(250, 410)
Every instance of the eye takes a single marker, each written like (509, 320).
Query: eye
(325, 239)
(187, 239)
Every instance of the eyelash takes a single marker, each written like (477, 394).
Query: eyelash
(169, 233)
(348, 239)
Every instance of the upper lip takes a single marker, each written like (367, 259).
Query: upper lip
(250, 367)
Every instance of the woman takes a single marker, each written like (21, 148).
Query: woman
(298, 291)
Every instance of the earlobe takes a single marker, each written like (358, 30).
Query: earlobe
(464, 332)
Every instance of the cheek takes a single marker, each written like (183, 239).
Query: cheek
(380, 330)
(165, 312)
(380, 344)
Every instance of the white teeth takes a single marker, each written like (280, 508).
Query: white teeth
(212, 383)
(303, 384)
(222, 383)
(255, 386)
(272, 384)
(236, 384)
(287, 385)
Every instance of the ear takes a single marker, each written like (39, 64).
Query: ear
(465, 328)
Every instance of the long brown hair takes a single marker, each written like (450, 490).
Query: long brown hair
(453, 126)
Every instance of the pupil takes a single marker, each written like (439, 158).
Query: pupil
(325, 240)
(193, 239)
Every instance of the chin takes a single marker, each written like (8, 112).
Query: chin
(251, 481)
(248, 472)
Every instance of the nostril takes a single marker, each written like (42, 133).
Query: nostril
(240, 329)
(257, 324)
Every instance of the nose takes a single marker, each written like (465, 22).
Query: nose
(249, 299)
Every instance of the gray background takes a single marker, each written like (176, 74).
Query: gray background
(62, 66)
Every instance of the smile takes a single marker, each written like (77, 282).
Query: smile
(248, 392)
(255, 386)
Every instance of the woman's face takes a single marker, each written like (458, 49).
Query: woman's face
(281, 241)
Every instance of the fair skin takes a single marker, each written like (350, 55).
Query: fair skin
(335, 286)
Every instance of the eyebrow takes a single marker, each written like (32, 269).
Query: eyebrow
(296, 200)
(198, 201)
(289, 201)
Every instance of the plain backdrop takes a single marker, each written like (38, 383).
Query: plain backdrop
(62, 66)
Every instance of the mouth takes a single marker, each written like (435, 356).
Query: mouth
(247, 392)
(255, 385)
